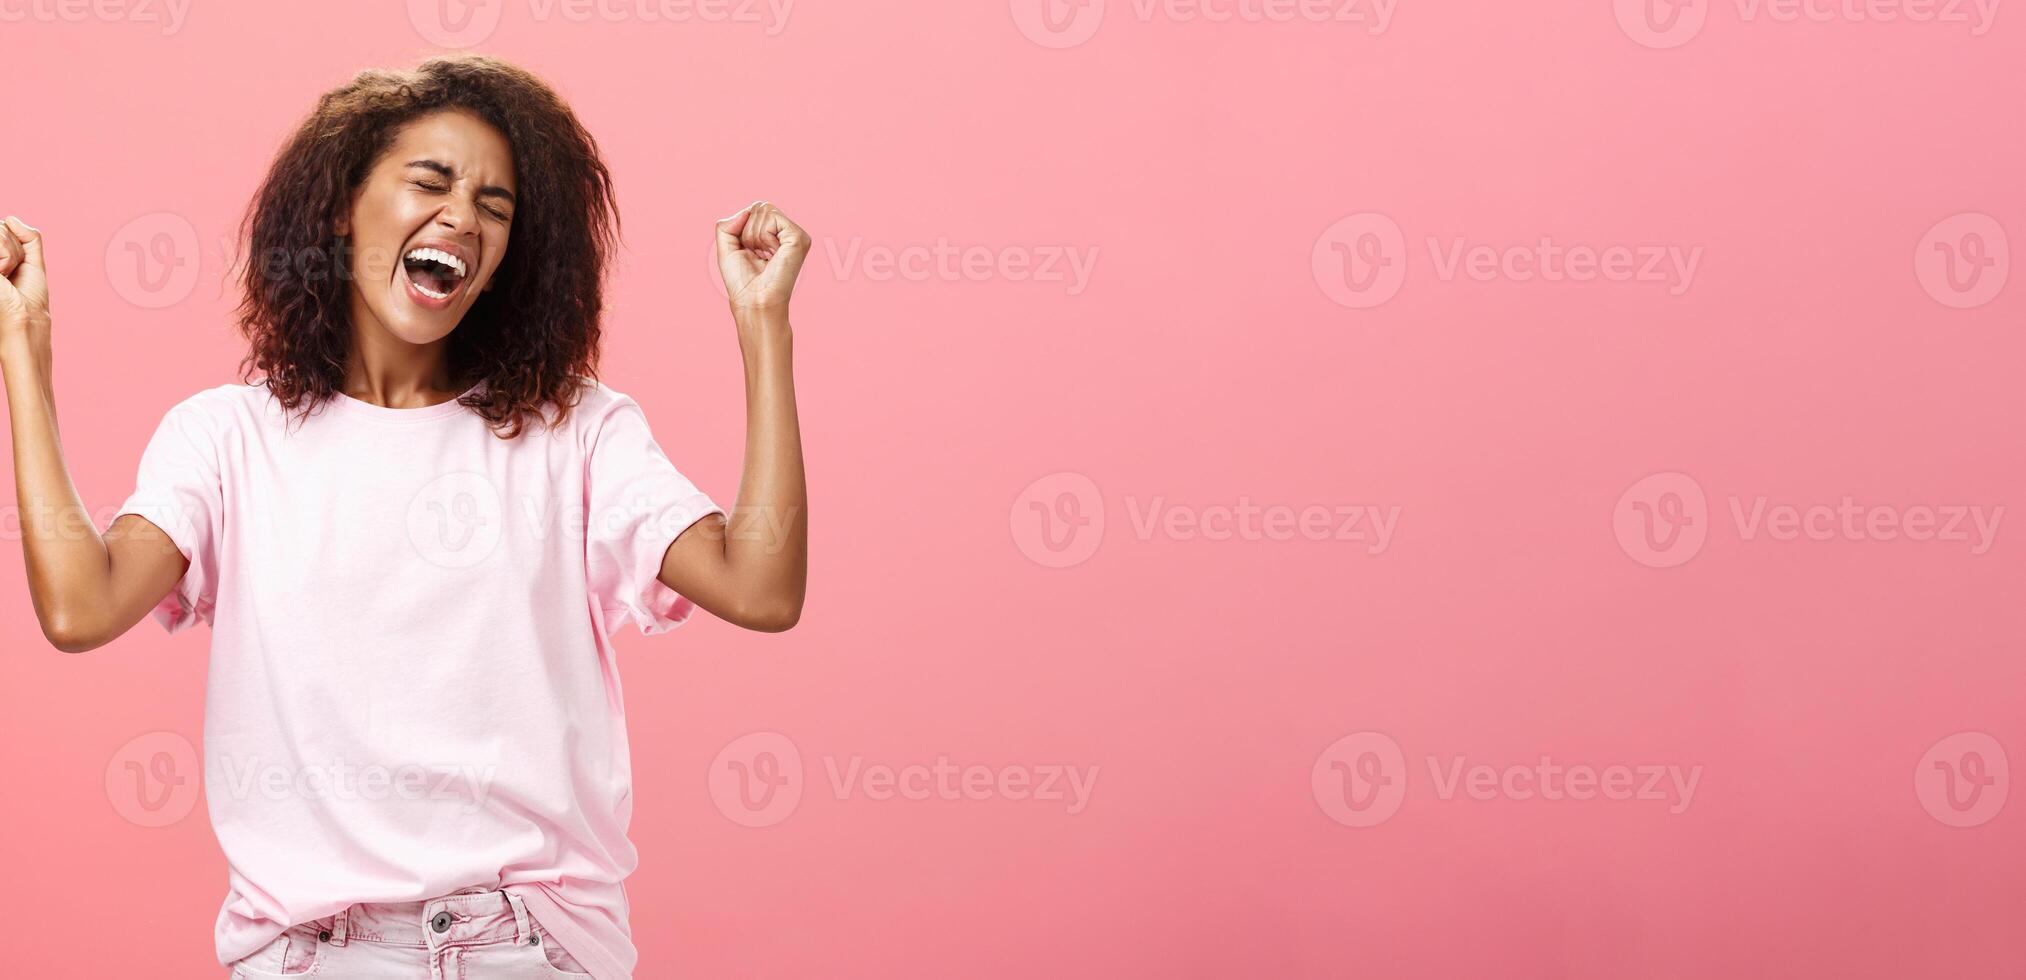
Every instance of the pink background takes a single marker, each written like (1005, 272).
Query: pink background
(1216, 354)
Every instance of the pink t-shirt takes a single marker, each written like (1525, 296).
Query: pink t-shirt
(413, 687)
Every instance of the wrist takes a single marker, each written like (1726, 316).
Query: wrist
(763, 329)
(15, 348)
(761, 319)
(21, 358)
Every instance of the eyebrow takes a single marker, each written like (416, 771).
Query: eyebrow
(489, 190)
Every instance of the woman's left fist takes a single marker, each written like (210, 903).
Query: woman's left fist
(760, 252)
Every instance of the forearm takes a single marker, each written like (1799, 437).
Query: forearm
(767, 539)
(753, 568)
(69, 572)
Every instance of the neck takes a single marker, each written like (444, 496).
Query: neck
(385, 370)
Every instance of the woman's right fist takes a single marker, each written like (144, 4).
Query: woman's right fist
(24, 290)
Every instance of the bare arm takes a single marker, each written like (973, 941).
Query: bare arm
(87, 588)
(753, 570)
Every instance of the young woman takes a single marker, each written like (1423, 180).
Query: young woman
(415, 535)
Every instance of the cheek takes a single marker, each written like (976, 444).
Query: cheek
(378, 233)
(373, 259)
(374, 211)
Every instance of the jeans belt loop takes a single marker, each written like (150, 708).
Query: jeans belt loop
(521, 928)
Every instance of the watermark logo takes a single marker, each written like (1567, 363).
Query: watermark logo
(1662, 521)
(249, 778)
(1058, 23)
(1963, 260)
(756, 780)
(152, 261)
(1662, 24)
(459, 519)
(60, 520)
(1977, 14)
(1067, 23)
(1552, 781)
(455, 23)
(771, 16)
(1058, 521)
(1546, 260)
(1069, 785)
(1360, 261)
(1370, 525)
(1360, 780)
(456, 520)
(1673, 23)
(170, 14)
(943, 261)
(1962, 780)
(466, 23)
(153, 780)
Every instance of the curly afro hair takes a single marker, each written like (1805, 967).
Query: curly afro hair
(532, 338)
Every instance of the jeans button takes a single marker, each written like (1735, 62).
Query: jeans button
(324, 936)
(441, 923)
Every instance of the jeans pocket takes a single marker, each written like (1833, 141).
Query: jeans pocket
(293, 953)
(561, 963)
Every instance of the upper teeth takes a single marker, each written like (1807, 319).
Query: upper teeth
(439, 255)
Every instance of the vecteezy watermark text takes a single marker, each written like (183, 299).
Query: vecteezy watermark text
(757, 780)
(1068, 23)
(467, 23)
(1665, 24)
(338, 780)
(171, 14)
(944, 261)
(1361, 780)
(1664, 519)
(1362, 260)
(1371, 525)
(1059, 521)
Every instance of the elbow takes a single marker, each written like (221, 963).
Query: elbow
(71, 636)
(773, 617)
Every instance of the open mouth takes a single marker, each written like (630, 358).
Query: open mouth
(435, 273)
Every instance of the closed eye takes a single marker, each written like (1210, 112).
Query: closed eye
(498, 213)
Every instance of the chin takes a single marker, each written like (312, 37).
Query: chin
(422, 333)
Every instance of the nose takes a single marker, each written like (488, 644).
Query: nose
(458, 216)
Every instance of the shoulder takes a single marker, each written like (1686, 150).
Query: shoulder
(197, 430)
(597, 404)
(228, 397)
(226, 405)
(606, 420)
(597, 398)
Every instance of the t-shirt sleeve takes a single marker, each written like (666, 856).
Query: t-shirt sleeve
(178, 489)
(637, 505)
